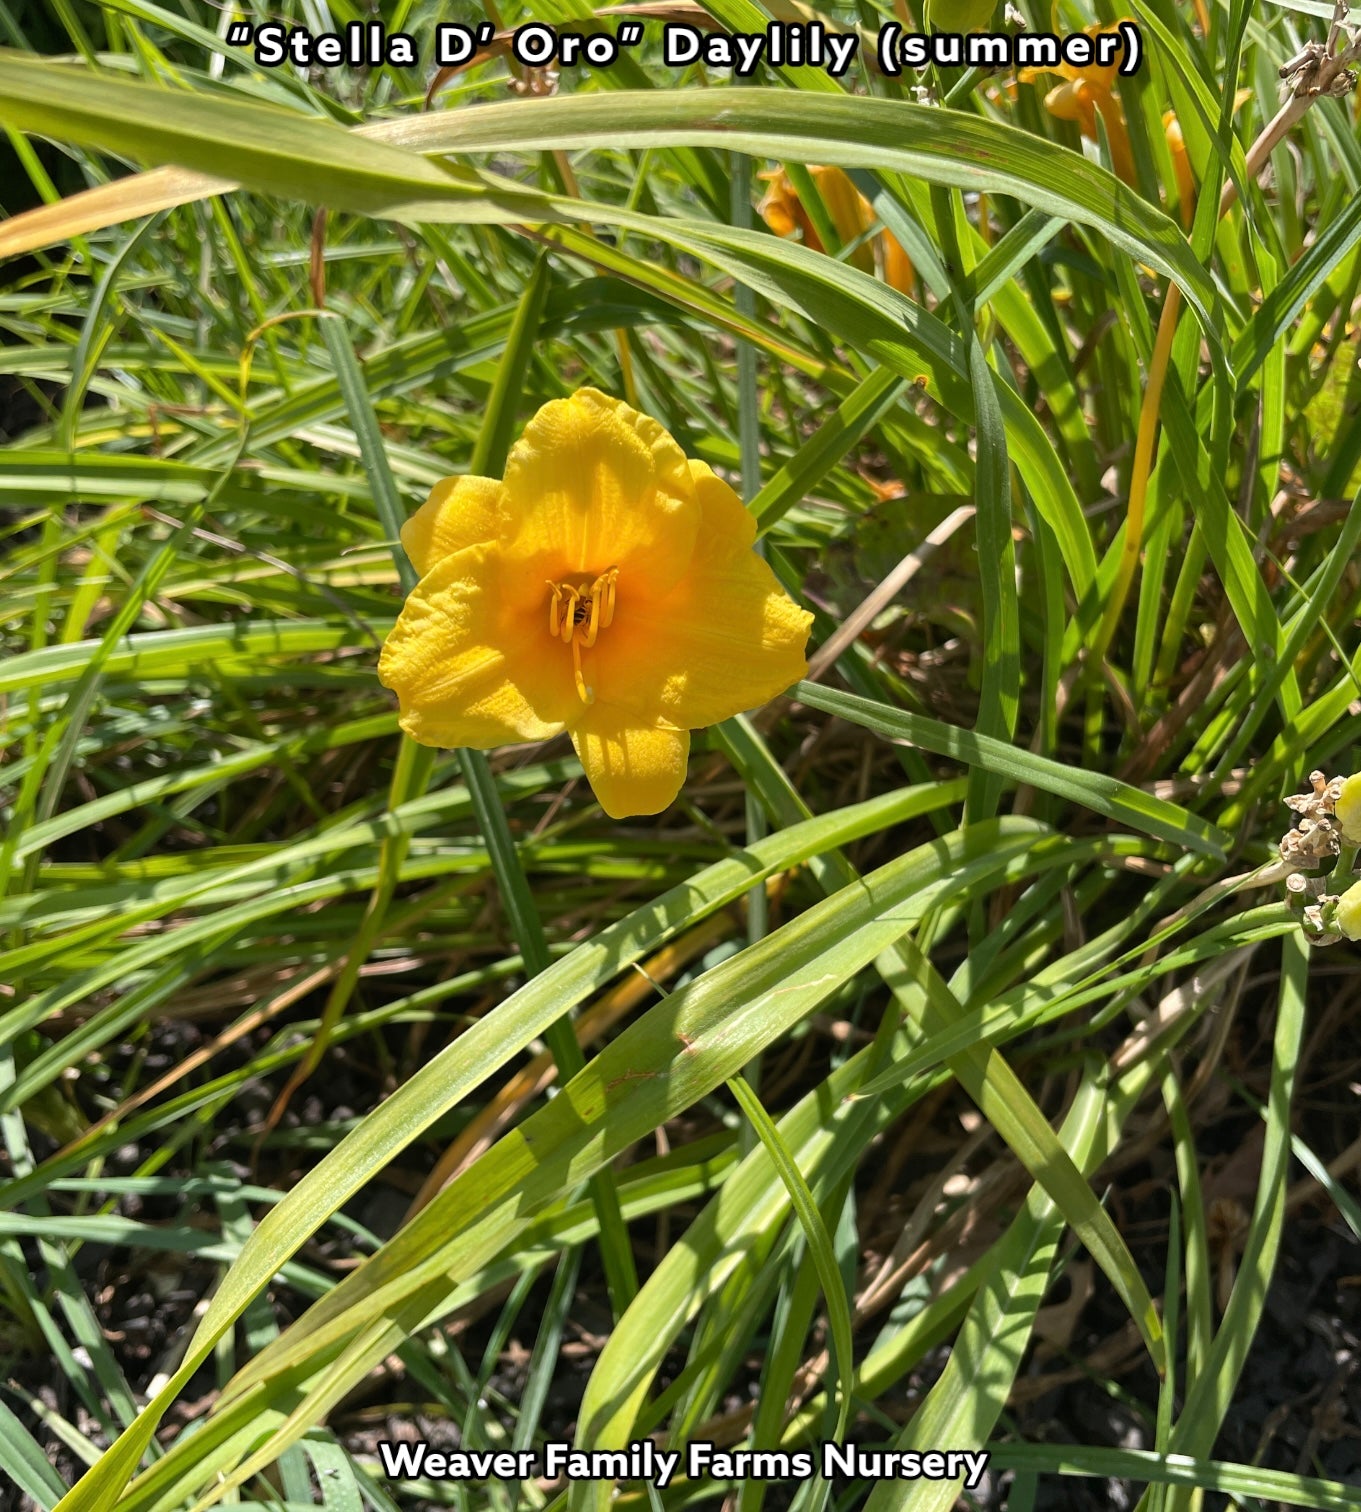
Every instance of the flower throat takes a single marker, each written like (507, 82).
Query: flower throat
(576, 616)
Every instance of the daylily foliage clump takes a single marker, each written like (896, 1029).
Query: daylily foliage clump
(606, 586)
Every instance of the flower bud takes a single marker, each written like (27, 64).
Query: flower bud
(1348, 916)
(1348, 810)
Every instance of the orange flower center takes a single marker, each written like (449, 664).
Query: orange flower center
(577, 615)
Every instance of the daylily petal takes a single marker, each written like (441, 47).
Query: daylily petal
(460, 512)
(898, 270)
(632, 768)
(1073, 102)
(783, 211)
(849, 211)
(591, 485)
(726, 639)
(1059, 71)
(1117, 138)
(466, 660)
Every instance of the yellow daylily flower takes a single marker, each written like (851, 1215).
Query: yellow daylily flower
(606, 586)
(849, 211)
(1085, 92)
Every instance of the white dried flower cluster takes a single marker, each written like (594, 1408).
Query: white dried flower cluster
(1316, 839)
(1311, 848)
(1324, 68)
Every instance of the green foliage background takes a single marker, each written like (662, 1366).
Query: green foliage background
(1014, 846)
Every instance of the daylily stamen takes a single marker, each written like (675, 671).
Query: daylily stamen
(595, 619)
(588, 610)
